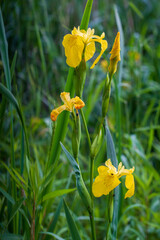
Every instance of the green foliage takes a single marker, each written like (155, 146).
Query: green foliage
(35, 178)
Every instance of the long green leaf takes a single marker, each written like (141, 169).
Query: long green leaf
(57, 193)
(13, 64)
(5, 60)
(111, 153)
(16, 180)
(4, 52)
(9, 236)
(81, 187)
(58, 210)
(52, 234)
(10, 97)
(15, 208)
(72, 161)
(86, 15)
(19, 176)
(71, 223)
(9, 197)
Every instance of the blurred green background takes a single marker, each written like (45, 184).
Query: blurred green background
(35, 30)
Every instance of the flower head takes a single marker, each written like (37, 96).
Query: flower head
(115, 55)
(108, 179)
(69, 105)
(81, 44)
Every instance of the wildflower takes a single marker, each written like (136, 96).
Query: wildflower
(104, 65)
(81, 44)
(115, 55)
(108, 179)
(69, 105)
(134, 55)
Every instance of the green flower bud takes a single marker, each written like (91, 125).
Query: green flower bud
(95, 147)
(106, 96)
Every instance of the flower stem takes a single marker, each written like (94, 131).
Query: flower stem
(92, 225)
(92, 214)
(110, 214)
(91, 175)
(86, 129)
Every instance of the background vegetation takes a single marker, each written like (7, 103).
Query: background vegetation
(34, 31)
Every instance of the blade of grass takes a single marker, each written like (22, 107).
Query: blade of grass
(57, 193)
(15, 208)
(5, 60)
(71, 223)
(9, 236)
(13, 64)
(9, 96)
(58, 210)
(86, 15)
(53, 235)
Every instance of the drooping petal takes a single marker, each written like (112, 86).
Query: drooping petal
(78, 103)
(129, 183)
(98, 187)
(104, 46)
(56, 112)
(73, 49)
(111, 182)
(89, 51)
(104, 185)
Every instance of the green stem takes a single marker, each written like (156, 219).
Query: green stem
(86, 129)
(118, 120)
(91, 215)
(91, 175)
(107, 233)
(110, 214)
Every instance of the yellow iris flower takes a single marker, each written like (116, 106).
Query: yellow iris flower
(108, 179)
(115, 55)
(69, 105)
(81, 44)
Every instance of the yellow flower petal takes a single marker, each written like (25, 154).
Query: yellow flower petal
(108, 179)
(98, 187)
(111, 168)
(78, 103)
(65, 96)
(89, 51)
(115, 52)
(104, 185)
(56, 112)
(129, 183)
(115, 55)
(104, 46)
(123, 171)
(102, 170)
(79, 41)
(68, 105)
(73, 49)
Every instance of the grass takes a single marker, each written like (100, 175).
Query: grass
(36, 75)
